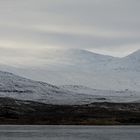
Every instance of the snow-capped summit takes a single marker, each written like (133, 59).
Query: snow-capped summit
(74, 56)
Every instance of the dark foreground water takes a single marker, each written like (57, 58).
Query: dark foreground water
(69, 132)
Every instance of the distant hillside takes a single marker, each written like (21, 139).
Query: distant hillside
(82, 67)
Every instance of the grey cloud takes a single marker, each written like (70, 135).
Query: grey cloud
(63, 39)
(117, 23)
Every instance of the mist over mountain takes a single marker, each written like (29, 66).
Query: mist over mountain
(82, 67)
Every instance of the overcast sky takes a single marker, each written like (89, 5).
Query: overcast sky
(28, 27)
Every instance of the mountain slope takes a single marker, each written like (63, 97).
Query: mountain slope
(81, 67)
(17, 87)
(65, 66)
(132, 62)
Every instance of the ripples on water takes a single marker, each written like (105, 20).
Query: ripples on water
(69, 132)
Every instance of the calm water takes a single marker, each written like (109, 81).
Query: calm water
(69, 133)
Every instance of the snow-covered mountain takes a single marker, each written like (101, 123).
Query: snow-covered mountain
(17, 87)
(132, 62)
(82, 67)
